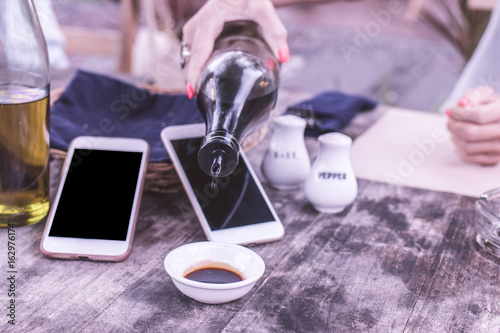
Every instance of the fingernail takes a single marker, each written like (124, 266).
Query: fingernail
(270, 64)
(464, 101)
(447, 112)
(189, 91)
(283, 54)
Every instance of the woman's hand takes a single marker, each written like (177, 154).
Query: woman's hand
(474, 125)
(200, 32)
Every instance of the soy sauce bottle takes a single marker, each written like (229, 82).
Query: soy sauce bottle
(236, 94)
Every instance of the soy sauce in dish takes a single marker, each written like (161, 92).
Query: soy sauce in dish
(214, 274)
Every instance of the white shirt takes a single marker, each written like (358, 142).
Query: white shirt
(483, 67)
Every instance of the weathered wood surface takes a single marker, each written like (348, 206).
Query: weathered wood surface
(398, 260)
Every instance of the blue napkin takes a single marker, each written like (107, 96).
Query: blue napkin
(329, 111)
(98, 105)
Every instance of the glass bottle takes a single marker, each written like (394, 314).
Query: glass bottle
(236, 93)
(24, 115)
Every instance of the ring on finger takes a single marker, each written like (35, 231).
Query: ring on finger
(185, 54)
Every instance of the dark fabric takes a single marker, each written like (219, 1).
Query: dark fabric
(330, 111)
(98, 105)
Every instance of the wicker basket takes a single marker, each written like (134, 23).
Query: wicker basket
(161, 177)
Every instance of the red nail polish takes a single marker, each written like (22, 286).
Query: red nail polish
(270, 64)
(189, 91)
(464, 101)
(447, 112)
(283, 55)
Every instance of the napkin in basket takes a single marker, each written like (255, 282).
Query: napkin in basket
(99, 105)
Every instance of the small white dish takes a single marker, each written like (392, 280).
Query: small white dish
(190, 257)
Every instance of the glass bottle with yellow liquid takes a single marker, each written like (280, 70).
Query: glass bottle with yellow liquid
(24, 115)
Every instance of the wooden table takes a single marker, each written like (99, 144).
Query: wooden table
(398, 260)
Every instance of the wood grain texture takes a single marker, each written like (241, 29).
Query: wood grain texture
(398, 260)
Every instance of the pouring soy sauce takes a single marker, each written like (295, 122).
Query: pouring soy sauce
(236, 94)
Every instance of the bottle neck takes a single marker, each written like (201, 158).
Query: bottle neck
(219, 154)
(23, 51)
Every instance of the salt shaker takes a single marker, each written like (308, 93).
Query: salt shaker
(331, 185)
(286, 163)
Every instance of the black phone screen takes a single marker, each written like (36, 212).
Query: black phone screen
(236, 202)
(98, 195)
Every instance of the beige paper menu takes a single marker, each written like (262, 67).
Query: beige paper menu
(413, 148)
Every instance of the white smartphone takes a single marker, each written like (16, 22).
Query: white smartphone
(238, 211)
(94, 213)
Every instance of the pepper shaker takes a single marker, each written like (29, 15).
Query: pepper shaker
(331, 185)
